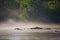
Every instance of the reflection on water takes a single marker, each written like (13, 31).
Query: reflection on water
(14, 38)
(31, 36)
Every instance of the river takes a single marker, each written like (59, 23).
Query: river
(29, 36)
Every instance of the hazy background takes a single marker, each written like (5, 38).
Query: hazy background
(39, 13)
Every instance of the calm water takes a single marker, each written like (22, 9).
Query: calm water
(31, 36)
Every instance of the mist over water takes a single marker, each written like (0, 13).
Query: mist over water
(11, 24)
(39, 14)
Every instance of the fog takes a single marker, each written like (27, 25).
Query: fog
(11, 16)
(11, 24)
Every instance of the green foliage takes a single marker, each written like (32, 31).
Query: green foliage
(23, 14)
(25, 6)
(36, 2)
(53, 4)
(23, 3)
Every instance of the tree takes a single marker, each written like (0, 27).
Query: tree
(26, 6)
(53, 4)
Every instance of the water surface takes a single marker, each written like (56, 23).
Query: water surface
(31, 36)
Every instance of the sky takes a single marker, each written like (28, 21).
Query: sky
(41, 15)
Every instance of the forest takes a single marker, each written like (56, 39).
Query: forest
(47, 11)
